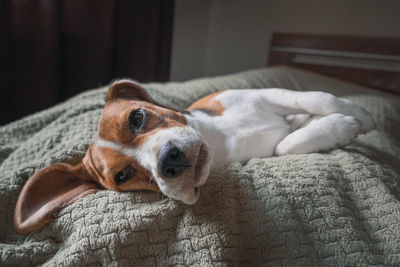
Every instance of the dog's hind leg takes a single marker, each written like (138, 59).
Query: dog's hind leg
(288, 102)
(332, 131)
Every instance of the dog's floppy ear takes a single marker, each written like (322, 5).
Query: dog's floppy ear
(127, 89)
(48, 191)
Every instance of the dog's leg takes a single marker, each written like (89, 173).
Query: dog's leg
(328, 132)
(288, 102)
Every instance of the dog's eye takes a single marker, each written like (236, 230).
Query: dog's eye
(137, 120)
(124, 175)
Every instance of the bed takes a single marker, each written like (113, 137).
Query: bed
(338, 208)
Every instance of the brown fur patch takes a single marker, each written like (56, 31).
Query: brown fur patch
(127, 90)
(114, 122)
(104, 164)
(208, 103)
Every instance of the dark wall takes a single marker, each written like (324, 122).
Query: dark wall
(51, 50)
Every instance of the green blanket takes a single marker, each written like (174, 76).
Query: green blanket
(332, 209)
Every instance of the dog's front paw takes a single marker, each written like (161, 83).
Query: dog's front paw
(332, 131)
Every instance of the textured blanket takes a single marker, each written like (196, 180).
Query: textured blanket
(339, 208)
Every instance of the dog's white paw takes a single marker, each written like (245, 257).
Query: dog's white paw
(352, 109)
(368, 123)
(285, 147)
(332, 131)
(345, 129)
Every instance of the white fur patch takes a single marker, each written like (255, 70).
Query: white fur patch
(115, 146)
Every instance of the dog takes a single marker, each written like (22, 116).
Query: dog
(143, 145)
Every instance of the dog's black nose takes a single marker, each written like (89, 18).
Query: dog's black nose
(171, 161)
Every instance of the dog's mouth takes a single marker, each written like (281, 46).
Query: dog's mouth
(199, 169)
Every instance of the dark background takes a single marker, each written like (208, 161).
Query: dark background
(52, 50)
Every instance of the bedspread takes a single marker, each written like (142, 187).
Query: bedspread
(334, 209)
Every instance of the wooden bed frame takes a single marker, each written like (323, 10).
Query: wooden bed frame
(369, 61)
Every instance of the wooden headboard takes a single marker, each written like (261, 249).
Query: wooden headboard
(370, 61)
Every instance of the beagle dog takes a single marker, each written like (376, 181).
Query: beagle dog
(142, 145)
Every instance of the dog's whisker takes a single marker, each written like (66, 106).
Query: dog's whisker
(150, 180)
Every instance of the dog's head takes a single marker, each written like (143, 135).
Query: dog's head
(140, 145)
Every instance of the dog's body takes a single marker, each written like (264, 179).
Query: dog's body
(242, 124)
(142, 145)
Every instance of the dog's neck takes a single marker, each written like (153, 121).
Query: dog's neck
(205, 125)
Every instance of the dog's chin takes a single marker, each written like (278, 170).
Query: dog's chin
(200, 174)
